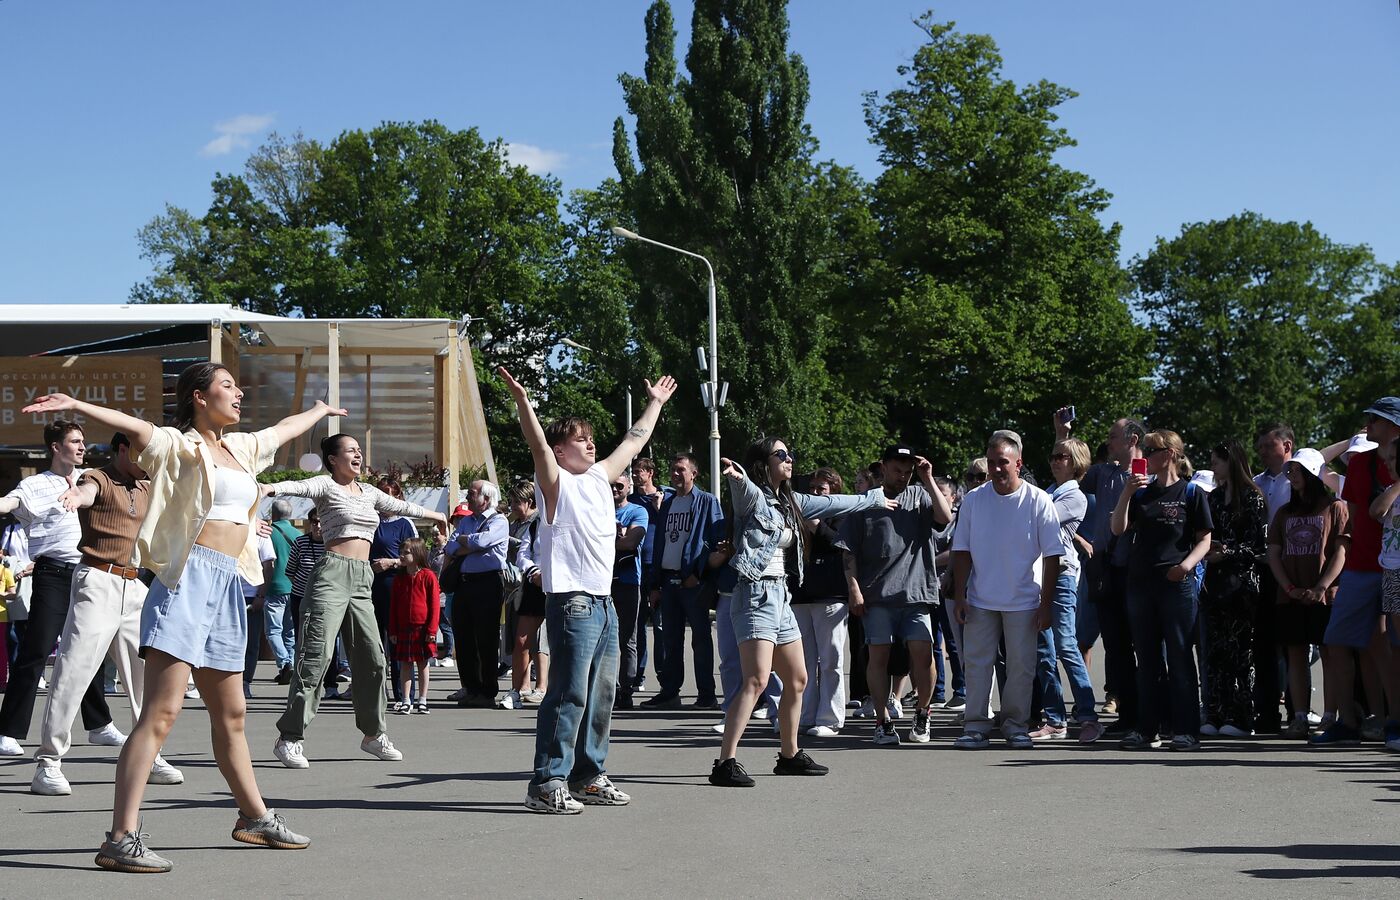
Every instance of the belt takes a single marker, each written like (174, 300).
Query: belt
(55, 564)
(130, 573)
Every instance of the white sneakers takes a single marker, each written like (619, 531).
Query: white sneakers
(511, 701)
(289, 753)
(380, 747)
(163, 772)
(107, 736)
(9, 746)
(49, 782)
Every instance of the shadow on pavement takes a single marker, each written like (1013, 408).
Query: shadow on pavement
(1354, 861)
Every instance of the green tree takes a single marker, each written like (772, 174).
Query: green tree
(1000, 297)
(1367, 357)
(723, 168)
(1254, 322)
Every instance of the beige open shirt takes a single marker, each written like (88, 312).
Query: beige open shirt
(182, 490)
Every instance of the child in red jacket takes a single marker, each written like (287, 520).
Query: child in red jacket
(413, 622)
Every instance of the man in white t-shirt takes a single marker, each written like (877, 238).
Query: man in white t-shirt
(1006, 557)
(575, 549)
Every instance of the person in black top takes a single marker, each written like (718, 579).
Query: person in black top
(1230, 593)
(820, 605)
(1169, 525)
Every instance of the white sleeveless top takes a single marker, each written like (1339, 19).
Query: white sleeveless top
(235, 492)
(575, 552)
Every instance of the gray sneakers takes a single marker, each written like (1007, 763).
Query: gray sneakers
(557, 802)
(130, 854)
(269, 831)
(599, 792)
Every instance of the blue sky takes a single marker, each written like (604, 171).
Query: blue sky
(1187, 111)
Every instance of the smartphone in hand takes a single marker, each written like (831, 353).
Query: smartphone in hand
(1139, 466)
(1067, 415)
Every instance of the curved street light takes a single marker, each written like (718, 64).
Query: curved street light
(711, 393)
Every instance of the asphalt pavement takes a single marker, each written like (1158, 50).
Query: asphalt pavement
(1239, 818)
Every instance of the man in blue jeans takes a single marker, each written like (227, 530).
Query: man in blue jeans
(678, 561)
(575, 549)
(278, 622)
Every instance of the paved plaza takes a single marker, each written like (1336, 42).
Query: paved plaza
(1237, 819)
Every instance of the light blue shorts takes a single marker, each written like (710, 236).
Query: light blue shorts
(762, 611)
(203, 620)
(908, 623)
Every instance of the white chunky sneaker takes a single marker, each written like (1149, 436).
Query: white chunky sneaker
(290, 754)
(163, 772)
(381, 748)
(49, 781)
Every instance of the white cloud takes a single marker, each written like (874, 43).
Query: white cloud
(536, 160)
(235, 134)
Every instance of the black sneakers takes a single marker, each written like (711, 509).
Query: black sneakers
(729, 773)
(801, 764)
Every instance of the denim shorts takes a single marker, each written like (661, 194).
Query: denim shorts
(203, 620)
(762, 611)
(1356, 612)
(908, 623)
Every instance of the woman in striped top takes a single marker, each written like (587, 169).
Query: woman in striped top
(339, 592)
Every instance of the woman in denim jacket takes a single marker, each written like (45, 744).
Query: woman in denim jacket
(768, 550)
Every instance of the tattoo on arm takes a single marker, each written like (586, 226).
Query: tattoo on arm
(638, 431)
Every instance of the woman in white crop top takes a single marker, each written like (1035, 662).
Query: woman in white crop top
(198, 539)
(338, 593)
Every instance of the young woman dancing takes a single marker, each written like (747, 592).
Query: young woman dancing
(197, 539)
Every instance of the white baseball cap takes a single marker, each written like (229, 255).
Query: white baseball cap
(1359, 444)
(1311, 461)
(1204, 479)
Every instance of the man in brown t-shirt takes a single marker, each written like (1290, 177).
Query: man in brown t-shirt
(104, 610)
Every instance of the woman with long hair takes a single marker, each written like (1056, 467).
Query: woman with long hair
(1169, 525)
(768, 546)
(198, 539)
(1230, 592)
(340, 594)
(1307, 550)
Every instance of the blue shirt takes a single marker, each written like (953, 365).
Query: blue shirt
(485, 540)
(629, 567)
(388, 539)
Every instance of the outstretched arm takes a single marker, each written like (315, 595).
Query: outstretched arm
(546, 469)
(636, 437)
(139, 430)
(79, 497)
(293, 427)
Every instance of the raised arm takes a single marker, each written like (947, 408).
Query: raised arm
(79, 497)
(942, 509)
(743, 492)
(9, 503)
(636, 437)
(822, 507)
(396, 507)
(546, 469)
(293, 427)
(1332, 451)
(139, 430)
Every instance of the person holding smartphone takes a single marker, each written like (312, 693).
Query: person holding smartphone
(1168, 524)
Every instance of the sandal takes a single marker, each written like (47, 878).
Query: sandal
(422, 707)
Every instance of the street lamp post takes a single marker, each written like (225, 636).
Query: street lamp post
(570, 342)
(712, 393)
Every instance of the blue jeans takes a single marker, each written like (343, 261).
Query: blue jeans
(682, 606)
(1163, 612)
(578, 705)
(255, 639)
(731, 672)
(281, 629)
(955, 666)
(1060, 644)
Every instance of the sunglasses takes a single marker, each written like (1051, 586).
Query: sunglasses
(784, 456)
(1148, 451)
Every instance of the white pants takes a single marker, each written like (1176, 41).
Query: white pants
(104, 617)
(823, 627)
(981, 637)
